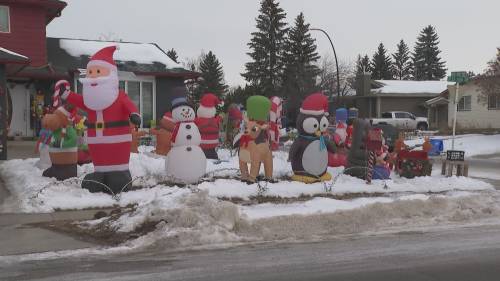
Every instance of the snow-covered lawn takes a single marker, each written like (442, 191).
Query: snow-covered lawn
(222, 209)
(473, 144)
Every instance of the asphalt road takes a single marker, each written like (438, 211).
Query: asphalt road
(468, 254)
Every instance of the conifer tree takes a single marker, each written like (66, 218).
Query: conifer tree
(402, 64)
(427, 64)
(173, 55)
(212, 76)
(265, 69)
(300, 69)
(381, 65)
(362, 65)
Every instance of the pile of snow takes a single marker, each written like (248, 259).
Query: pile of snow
(473, 144)
(411, 87)
(146, 53)
(33, 193)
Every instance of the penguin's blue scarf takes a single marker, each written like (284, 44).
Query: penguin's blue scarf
(322, 141)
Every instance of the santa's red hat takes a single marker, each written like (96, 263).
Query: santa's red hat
(315, 104)
(209, 100)
(104, 57)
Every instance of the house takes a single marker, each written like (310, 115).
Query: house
(145, 71)
(376, 96)
(473, 111)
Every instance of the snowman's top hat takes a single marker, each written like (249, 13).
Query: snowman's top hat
(179, 97)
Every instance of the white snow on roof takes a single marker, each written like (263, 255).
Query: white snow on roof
(12, 53)
(145, 53)
(411, 87)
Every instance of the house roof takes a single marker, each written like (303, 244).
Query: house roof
(10, 57)
(53, 7)
(408, 88)
(139, 58)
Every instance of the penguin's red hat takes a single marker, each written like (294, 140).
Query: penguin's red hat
(315, 104)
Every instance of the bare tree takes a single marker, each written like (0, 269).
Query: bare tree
(327, 79)
(489, 81)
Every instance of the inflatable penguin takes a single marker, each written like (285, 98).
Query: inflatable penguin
(185, 162)
(309, 152)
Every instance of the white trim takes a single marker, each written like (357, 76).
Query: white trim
(109, 139)
(312, 112)
(99, 118)
(209, 141)
(103, 64)
(8, 20)
(111, 168)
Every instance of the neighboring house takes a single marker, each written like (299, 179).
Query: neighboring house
(373, 97)
(145, 71)
(472, 112)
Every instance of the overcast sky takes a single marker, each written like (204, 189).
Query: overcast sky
(468, 30)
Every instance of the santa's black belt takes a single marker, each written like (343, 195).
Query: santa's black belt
(111, 124)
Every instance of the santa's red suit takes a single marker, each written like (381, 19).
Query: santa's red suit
(209, 130)
(108, 132)
(109, 113)
(209, 124)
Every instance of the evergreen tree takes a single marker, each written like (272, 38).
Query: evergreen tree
(427, 64)
(266, 49)
(212, 77)
(300, 70)
(173, 55)
(381, 65)
(402, 64)
(362, 65)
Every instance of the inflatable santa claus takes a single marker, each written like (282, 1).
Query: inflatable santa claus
(109, 111)
(209, 124)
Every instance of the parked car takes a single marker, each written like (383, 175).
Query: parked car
(402, 120)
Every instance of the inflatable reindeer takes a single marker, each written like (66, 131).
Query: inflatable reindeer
(254, 149)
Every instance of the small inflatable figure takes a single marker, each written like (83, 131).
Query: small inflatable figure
(209, 124)
(254, 146)
(309, 151)
(275, 121)
(63, 144)
(185, 162)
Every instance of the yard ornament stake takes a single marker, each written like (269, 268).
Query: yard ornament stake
(109, 111)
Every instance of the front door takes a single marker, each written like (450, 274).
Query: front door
(19, 124)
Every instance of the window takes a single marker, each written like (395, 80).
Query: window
(4, 19)
(387, 115)
(494, 102)
(142, 95)
(400, 115)
(464, 104)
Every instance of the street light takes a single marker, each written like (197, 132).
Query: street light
(335, 55)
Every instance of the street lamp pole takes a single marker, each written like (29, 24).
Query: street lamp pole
(335, 55)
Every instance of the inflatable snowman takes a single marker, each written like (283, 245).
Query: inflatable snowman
(185, 162)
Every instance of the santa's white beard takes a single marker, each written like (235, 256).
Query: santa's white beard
(206, 112)
(101, 92)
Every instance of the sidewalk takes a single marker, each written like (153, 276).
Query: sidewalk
(18, 232)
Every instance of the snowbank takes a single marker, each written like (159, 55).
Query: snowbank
(33, 193)
(473, 144)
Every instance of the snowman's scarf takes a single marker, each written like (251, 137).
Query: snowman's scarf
(322, 142)
(176, 129)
